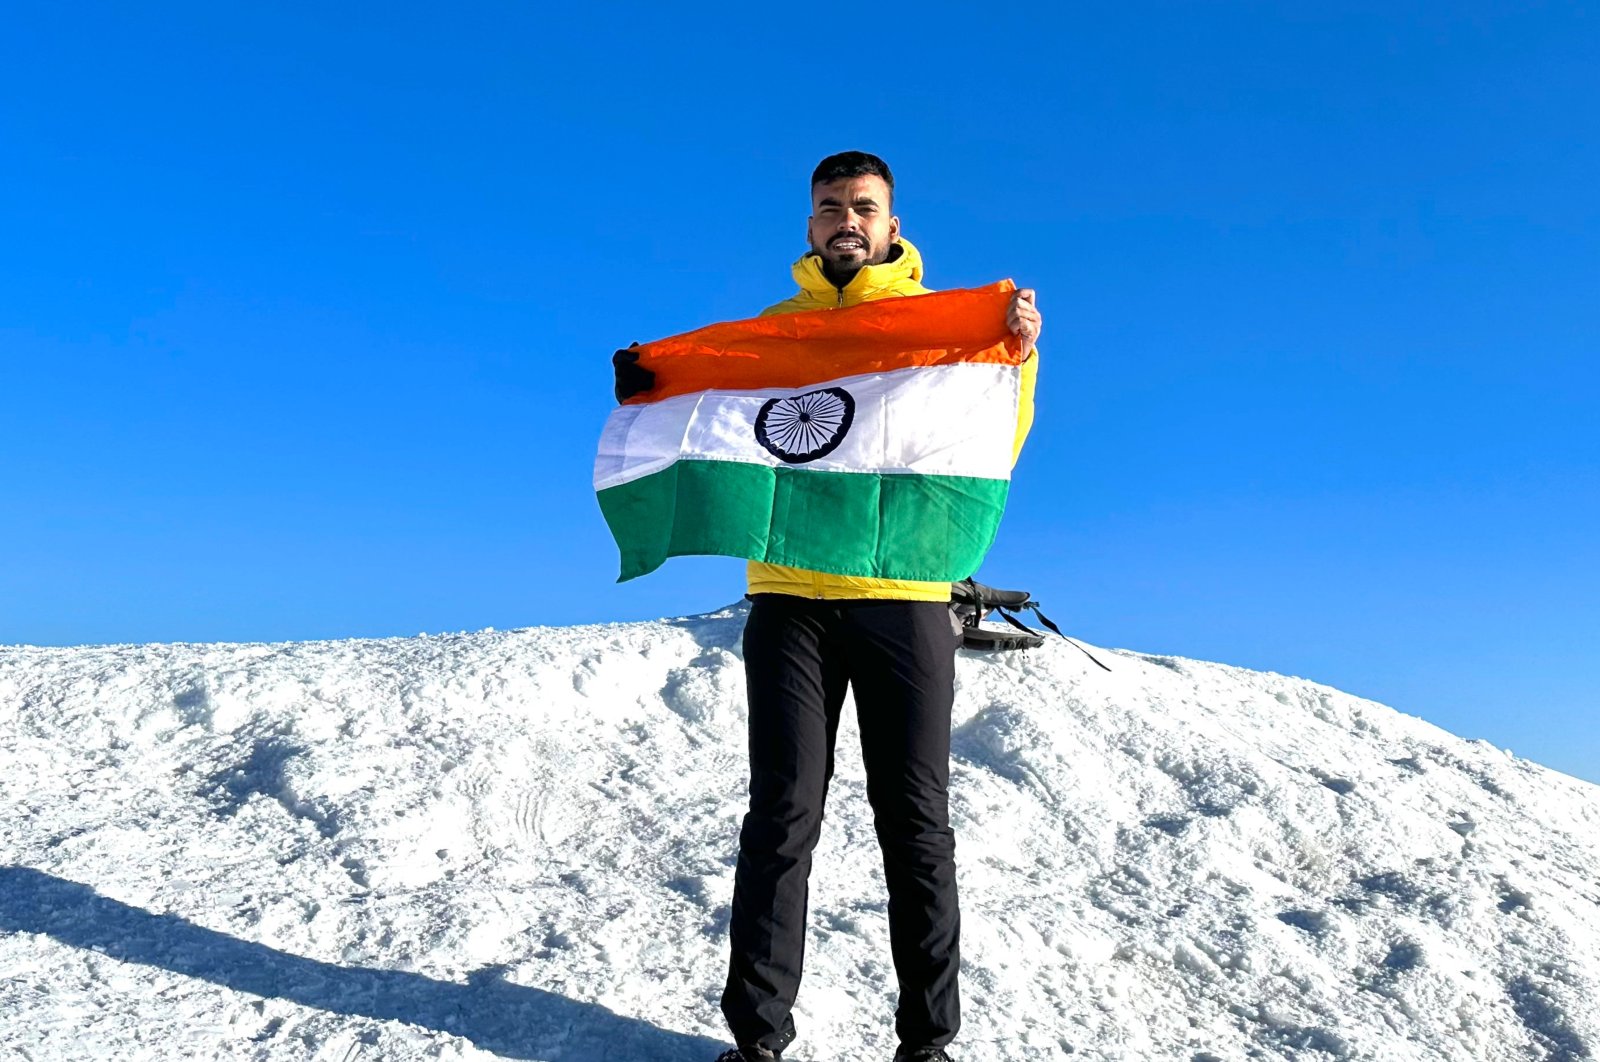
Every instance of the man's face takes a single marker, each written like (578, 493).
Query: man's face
(850, 224)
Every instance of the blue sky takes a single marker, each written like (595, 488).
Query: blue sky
(305, 314)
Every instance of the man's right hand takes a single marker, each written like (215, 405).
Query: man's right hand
(631, 379)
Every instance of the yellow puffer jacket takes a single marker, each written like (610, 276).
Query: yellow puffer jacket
(901, 275)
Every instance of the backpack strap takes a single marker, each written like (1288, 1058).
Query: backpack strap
(1081, 648)
(1034, 608)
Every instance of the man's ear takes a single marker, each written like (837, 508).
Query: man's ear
(894, 229)
(809, 241)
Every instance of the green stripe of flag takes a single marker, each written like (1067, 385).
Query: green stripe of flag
(934, 528)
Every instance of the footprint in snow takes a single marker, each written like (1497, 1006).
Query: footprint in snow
(1313, 922)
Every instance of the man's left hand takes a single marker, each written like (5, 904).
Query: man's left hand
(1022, 317)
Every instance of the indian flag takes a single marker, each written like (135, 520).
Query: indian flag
(874, 441)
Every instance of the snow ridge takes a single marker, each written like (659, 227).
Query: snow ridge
(520, 845)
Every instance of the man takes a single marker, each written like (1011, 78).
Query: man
(809, 636)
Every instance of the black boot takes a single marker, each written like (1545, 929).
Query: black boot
(748, 1053)
(920, 1054)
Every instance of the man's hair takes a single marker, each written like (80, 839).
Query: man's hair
(853, 164)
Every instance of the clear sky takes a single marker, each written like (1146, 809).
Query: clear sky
(306, 313)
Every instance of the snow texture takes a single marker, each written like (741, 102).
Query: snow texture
(521, 844)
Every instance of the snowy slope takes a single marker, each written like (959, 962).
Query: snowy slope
(520, 845)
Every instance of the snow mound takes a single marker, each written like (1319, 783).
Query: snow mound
(520, 845)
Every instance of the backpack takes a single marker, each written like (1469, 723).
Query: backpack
(971, 601)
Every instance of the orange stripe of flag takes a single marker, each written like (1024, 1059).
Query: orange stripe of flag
(962, 325)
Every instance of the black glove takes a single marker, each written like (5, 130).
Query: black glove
(631, 379)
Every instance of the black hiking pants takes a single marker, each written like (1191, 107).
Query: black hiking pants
(899, 657)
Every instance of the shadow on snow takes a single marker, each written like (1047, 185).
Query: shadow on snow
(513, 1021)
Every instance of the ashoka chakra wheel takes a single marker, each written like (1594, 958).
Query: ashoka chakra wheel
(802, 428)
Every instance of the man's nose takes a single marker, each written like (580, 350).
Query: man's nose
(849, 221)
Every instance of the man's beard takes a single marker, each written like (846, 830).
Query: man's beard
(841, 270)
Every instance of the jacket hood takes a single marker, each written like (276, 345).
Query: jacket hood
(901, 267)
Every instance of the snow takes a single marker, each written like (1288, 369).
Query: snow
(520, 844)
